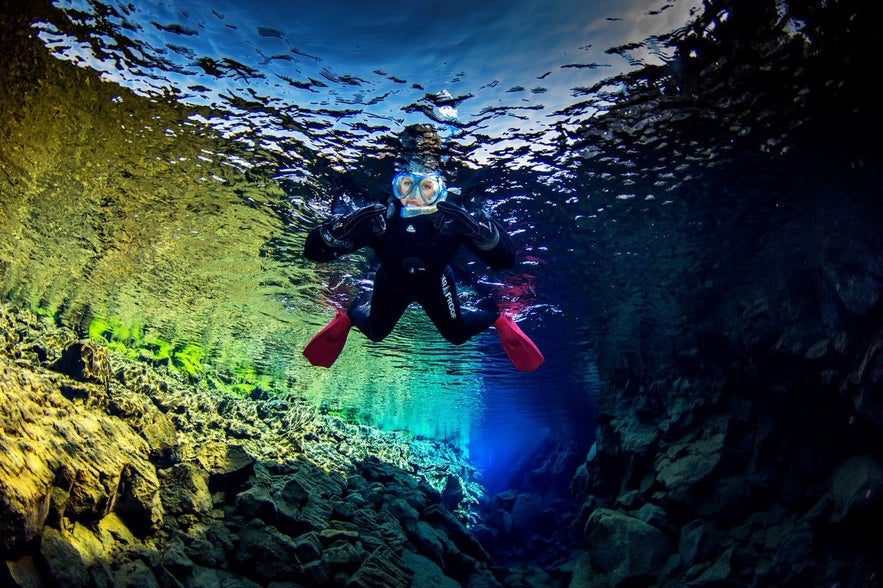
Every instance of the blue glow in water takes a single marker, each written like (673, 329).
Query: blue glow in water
(320, 87)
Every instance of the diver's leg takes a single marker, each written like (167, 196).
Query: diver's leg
(442, 305)
(458, 325)
(377, 318)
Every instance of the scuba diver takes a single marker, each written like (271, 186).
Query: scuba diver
(414, 238)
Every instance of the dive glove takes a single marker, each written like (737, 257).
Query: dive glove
(455, 219)
(345, 230)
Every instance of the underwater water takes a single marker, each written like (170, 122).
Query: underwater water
(162, 170)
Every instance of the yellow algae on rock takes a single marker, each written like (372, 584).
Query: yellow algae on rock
(56, 453)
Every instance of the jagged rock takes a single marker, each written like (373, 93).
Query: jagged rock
(379, 528)
(795, 555)
(719, 573)
(85, 361)
(135, 574)
(382, 569)
(698, 543)
(160, 434)
(307, 547)
(625, 549)
(655, 516)
(522, 527)
(344, 509)
(486, 579)
(403, 511)
(344, 556)
(138, 502)
(25, 571)
(437, 515)
(506, 500)
(527, 513)
(185, 489)
(256, 502)
(112, 532)
(637, 437)
(228, 465)
(856, 486)
(339, 531)
(67, 563)
(59, 495)
(214, 514)
(583, 574)
(315, 515)
(228, 580)
(427, 574)
(524, 576)
(726, 500)
(208, 547)
(683, 465)
(176, 561)
(267, 553)
(46, 435)
(294, 493)
(427, 541)
(452, 493)
(206, 578)
(316, 573)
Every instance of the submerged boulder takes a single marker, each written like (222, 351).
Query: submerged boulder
(624, 548)
(856, 488)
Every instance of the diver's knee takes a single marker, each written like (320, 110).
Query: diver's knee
(375, 337)
(456, 338)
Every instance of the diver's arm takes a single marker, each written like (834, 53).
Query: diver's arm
(501, 255)
(485, 237)
(344, 234)
(318, 248)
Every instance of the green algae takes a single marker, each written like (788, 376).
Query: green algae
(136, 342)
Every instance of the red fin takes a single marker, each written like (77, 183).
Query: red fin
(325, 347)
(524, 354)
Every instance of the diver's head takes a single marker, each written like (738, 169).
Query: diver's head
(418, 193)
(419, 149)
(419, 186)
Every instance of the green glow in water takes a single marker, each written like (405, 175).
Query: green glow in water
(136, 226)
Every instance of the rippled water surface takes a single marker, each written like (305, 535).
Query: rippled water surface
(163, 167)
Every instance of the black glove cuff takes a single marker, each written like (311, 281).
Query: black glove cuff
(327, 232)
(488, 237)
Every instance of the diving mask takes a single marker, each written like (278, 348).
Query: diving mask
(418, 193)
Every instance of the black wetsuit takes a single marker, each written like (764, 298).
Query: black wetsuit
(414, 258)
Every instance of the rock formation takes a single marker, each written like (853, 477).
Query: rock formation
(114, 474)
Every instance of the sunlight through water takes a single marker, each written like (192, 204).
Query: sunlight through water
(164, 209)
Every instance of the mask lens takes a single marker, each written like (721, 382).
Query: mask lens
(418, 188)
(429, 189)
(402, 185)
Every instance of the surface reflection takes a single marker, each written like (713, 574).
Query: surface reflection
(508, 70)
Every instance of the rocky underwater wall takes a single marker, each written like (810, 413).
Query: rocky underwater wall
(772, 477)
(115, 474)
(739, 437)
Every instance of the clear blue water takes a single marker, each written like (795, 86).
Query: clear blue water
(608, 215)
(318, 86)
